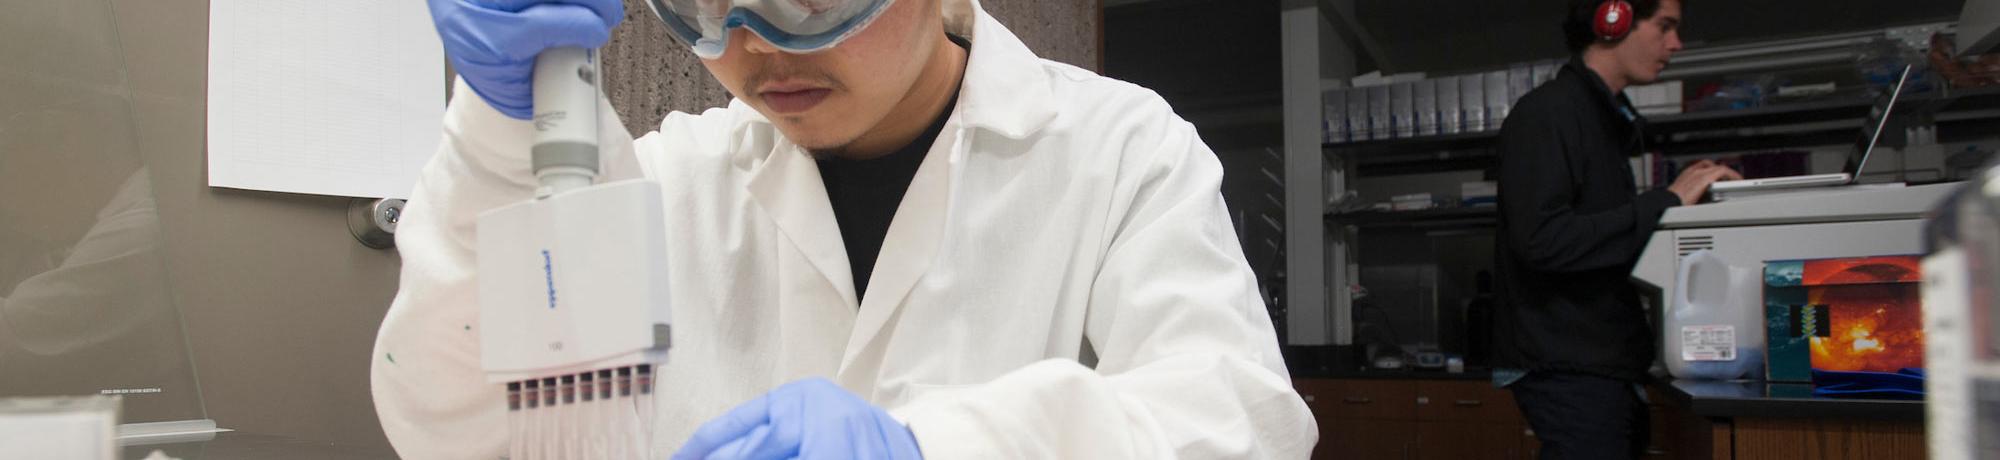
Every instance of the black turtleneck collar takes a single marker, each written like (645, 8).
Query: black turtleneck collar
(1615, 103)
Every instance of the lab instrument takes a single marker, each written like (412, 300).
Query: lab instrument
(573, 318)
(492, 44)
(1831, 223)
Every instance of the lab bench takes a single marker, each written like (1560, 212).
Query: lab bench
(1417, 414)
(1478, 374)
(1753, 420)
(238, 445)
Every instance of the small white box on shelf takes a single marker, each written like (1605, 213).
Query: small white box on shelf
(1498, 99)
(1427, 108)
(1358, 126)
(1478, 193)
(1546, 70)
(1411, 202)
(1472, 102)
(1334, 115)
(1357, 101)
(1663, 98)
(1520, 79)
(1448, 112)
(1380, 123)
(1403, 108)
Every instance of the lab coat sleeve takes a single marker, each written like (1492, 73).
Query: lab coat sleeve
(1537, 190)
(430, 394)
(1188, 361)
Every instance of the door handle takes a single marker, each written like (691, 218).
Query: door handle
(1468, 403)
(1357, 400)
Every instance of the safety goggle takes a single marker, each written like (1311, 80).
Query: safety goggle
(796, 26)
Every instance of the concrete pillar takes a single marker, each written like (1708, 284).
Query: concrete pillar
(1067, 31)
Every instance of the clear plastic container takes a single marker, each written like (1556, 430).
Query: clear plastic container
(1715, 330)
(1961, 309)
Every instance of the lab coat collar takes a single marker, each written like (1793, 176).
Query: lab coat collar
(1005, 89)
(789, 189)
(911, 245)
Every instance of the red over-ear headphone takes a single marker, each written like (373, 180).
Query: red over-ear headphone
(1613, 20)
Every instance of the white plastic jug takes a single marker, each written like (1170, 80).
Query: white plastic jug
(1716, 327)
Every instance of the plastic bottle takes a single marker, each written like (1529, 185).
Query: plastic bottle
(1715, 330)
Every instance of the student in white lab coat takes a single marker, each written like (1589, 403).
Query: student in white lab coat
(1060, 278)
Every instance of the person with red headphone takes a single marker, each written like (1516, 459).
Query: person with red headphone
(1570, 336)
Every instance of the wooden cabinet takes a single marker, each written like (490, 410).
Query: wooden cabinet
(1759, 427)
(1371, 439)
(1373, 400)
(1471, 401)
(1362, 418)
(1774, 438)
(1781, 438)
(1415, 419)
(1431, 419)
(1469, 440)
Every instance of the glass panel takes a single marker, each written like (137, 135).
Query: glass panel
(85, 305)
(1427, 290)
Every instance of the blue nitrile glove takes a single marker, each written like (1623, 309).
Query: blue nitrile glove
(808, 419)
(493, 43)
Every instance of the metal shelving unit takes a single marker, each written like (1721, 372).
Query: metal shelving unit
(1464, 217)
(1958, 114)
(1961, 114)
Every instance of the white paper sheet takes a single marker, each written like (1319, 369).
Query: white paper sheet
(322, 97)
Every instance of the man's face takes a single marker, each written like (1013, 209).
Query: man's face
(1644, 53)
(824, 100)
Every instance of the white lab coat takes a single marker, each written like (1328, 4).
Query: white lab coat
(1059, 214)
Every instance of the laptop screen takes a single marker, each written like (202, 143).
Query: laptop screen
(1873, 126)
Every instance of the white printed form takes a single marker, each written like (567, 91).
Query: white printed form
(322, 97)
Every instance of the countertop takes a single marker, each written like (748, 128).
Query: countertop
(1780, 400)
(234, 445)
(1397, 374)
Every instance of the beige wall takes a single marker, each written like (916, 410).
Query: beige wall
(280, 303)
(85, 304)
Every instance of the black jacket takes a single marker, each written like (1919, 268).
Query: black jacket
(1571, 228)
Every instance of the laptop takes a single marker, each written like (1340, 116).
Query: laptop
(1871, 134)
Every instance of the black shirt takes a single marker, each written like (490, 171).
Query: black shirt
(866, 193)
(1571, 229)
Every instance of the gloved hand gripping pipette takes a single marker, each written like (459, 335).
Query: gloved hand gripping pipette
(573, 319)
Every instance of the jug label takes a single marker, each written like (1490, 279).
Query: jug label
(1708, 343)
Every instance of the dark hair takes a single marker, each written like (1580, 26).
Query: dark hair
(1577, 30)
